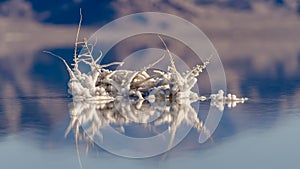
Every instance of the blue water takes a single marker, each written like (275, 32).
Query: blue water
(255, 134)
(34, 112)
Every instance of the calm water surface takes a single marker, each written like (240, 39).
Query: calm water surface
(262, 133)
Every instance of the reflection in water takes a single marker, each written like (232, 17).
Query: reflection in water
(95, 117)
(153, 116)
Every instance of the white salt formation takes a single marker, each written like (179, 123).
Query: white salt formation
(219, 100)
(104, 85)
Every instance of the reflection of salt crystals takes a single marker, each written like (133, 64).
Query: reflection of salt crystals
(94, 116)
(219, 100)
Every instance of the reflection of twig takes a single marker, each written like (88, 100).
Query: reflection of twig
(94, 119)
(76, 135)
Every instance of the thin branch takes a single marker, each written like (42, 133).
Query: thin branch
(76, 40)
(68, 68)
(153, 64)
(110, 64)
(99, 57)
(169, 53)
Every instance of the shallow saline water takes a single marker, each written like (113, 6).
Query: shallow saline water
(258, 44)
(261, 133)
